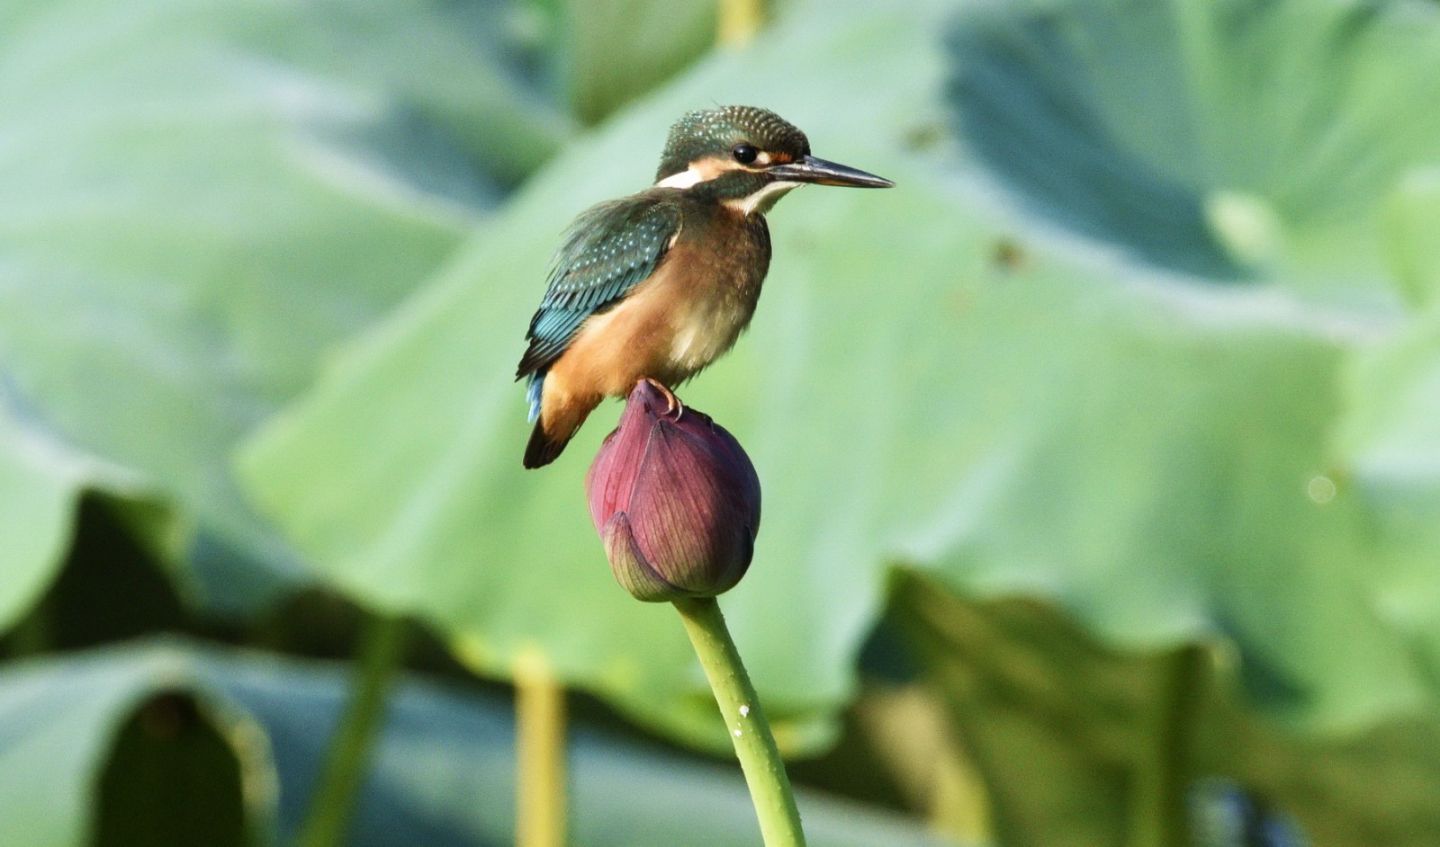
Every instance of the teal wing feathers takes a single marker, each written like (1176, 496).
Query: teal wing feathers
(607, 252)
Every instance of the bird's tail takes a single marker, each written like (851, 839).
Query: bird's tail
(556, 417)
(544, 447)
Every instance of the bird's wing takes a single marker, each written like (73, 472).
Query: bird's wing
(607, 252)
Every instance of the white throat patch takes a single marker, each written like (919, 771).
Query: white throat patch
(761, 200)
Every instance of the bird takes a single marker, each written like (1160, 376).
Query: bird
(659, 284)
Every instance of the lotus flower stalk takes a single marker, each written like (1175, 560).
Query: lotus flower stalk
(677, 504)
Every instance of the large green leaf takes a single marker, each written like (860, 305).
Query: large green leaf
(67, 726)
(1390, 442)
(1009, 393)
(1237, 139)
(34, 523)
(442, 775)
(1126, 737)
(41, 481)
(1413, 251)
(613, 51)
(204, 195)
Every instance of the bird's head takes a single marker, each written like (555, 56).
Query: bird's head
(747, 158)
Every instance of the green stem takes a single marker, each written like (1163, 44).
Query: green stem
(1162, 776)
(382, 649)
(754, 744)
(739, 21)
(539, 753)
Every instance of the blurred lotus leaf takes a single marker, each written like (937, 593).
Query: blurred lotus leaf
(977, 373)
(247, 732)
(613, 51)
(1233, 139)
(202, 197)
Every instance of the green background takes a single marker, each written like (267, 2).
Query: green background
(1101, 456)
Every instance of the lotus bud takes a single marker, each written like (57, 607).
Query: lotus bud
(675, 500)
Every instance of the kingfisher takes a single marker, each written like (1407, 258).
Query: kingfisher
(660, 284)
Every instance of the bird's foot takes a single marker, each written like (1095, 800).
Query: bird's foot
(673, 406)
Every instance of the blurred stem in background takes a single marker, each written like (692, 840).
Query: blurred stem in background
(754, 743)
(739, 21)
(540, 752)
(381, 652)
(1158, 815)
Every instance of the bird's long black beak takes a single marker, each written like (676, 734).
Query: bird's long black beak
(821, 172)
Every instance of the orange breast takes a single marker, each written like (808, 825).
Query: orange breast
(615, 349)
(674, 324)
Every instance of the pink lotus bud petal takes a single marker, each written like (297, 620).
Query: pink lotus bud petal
(675, 500)
(634, 573)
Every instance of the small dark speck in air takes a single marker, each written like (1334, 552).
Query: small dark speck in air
(923, 136)
(1007, 254)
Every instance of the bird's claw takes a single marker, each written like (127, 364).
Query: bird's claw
(673, 406)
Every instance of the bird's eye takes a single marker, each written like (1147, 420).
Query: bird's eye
(745, 153)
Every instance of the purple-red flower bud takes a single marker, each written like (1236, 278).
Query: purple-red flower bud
(675, 500)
